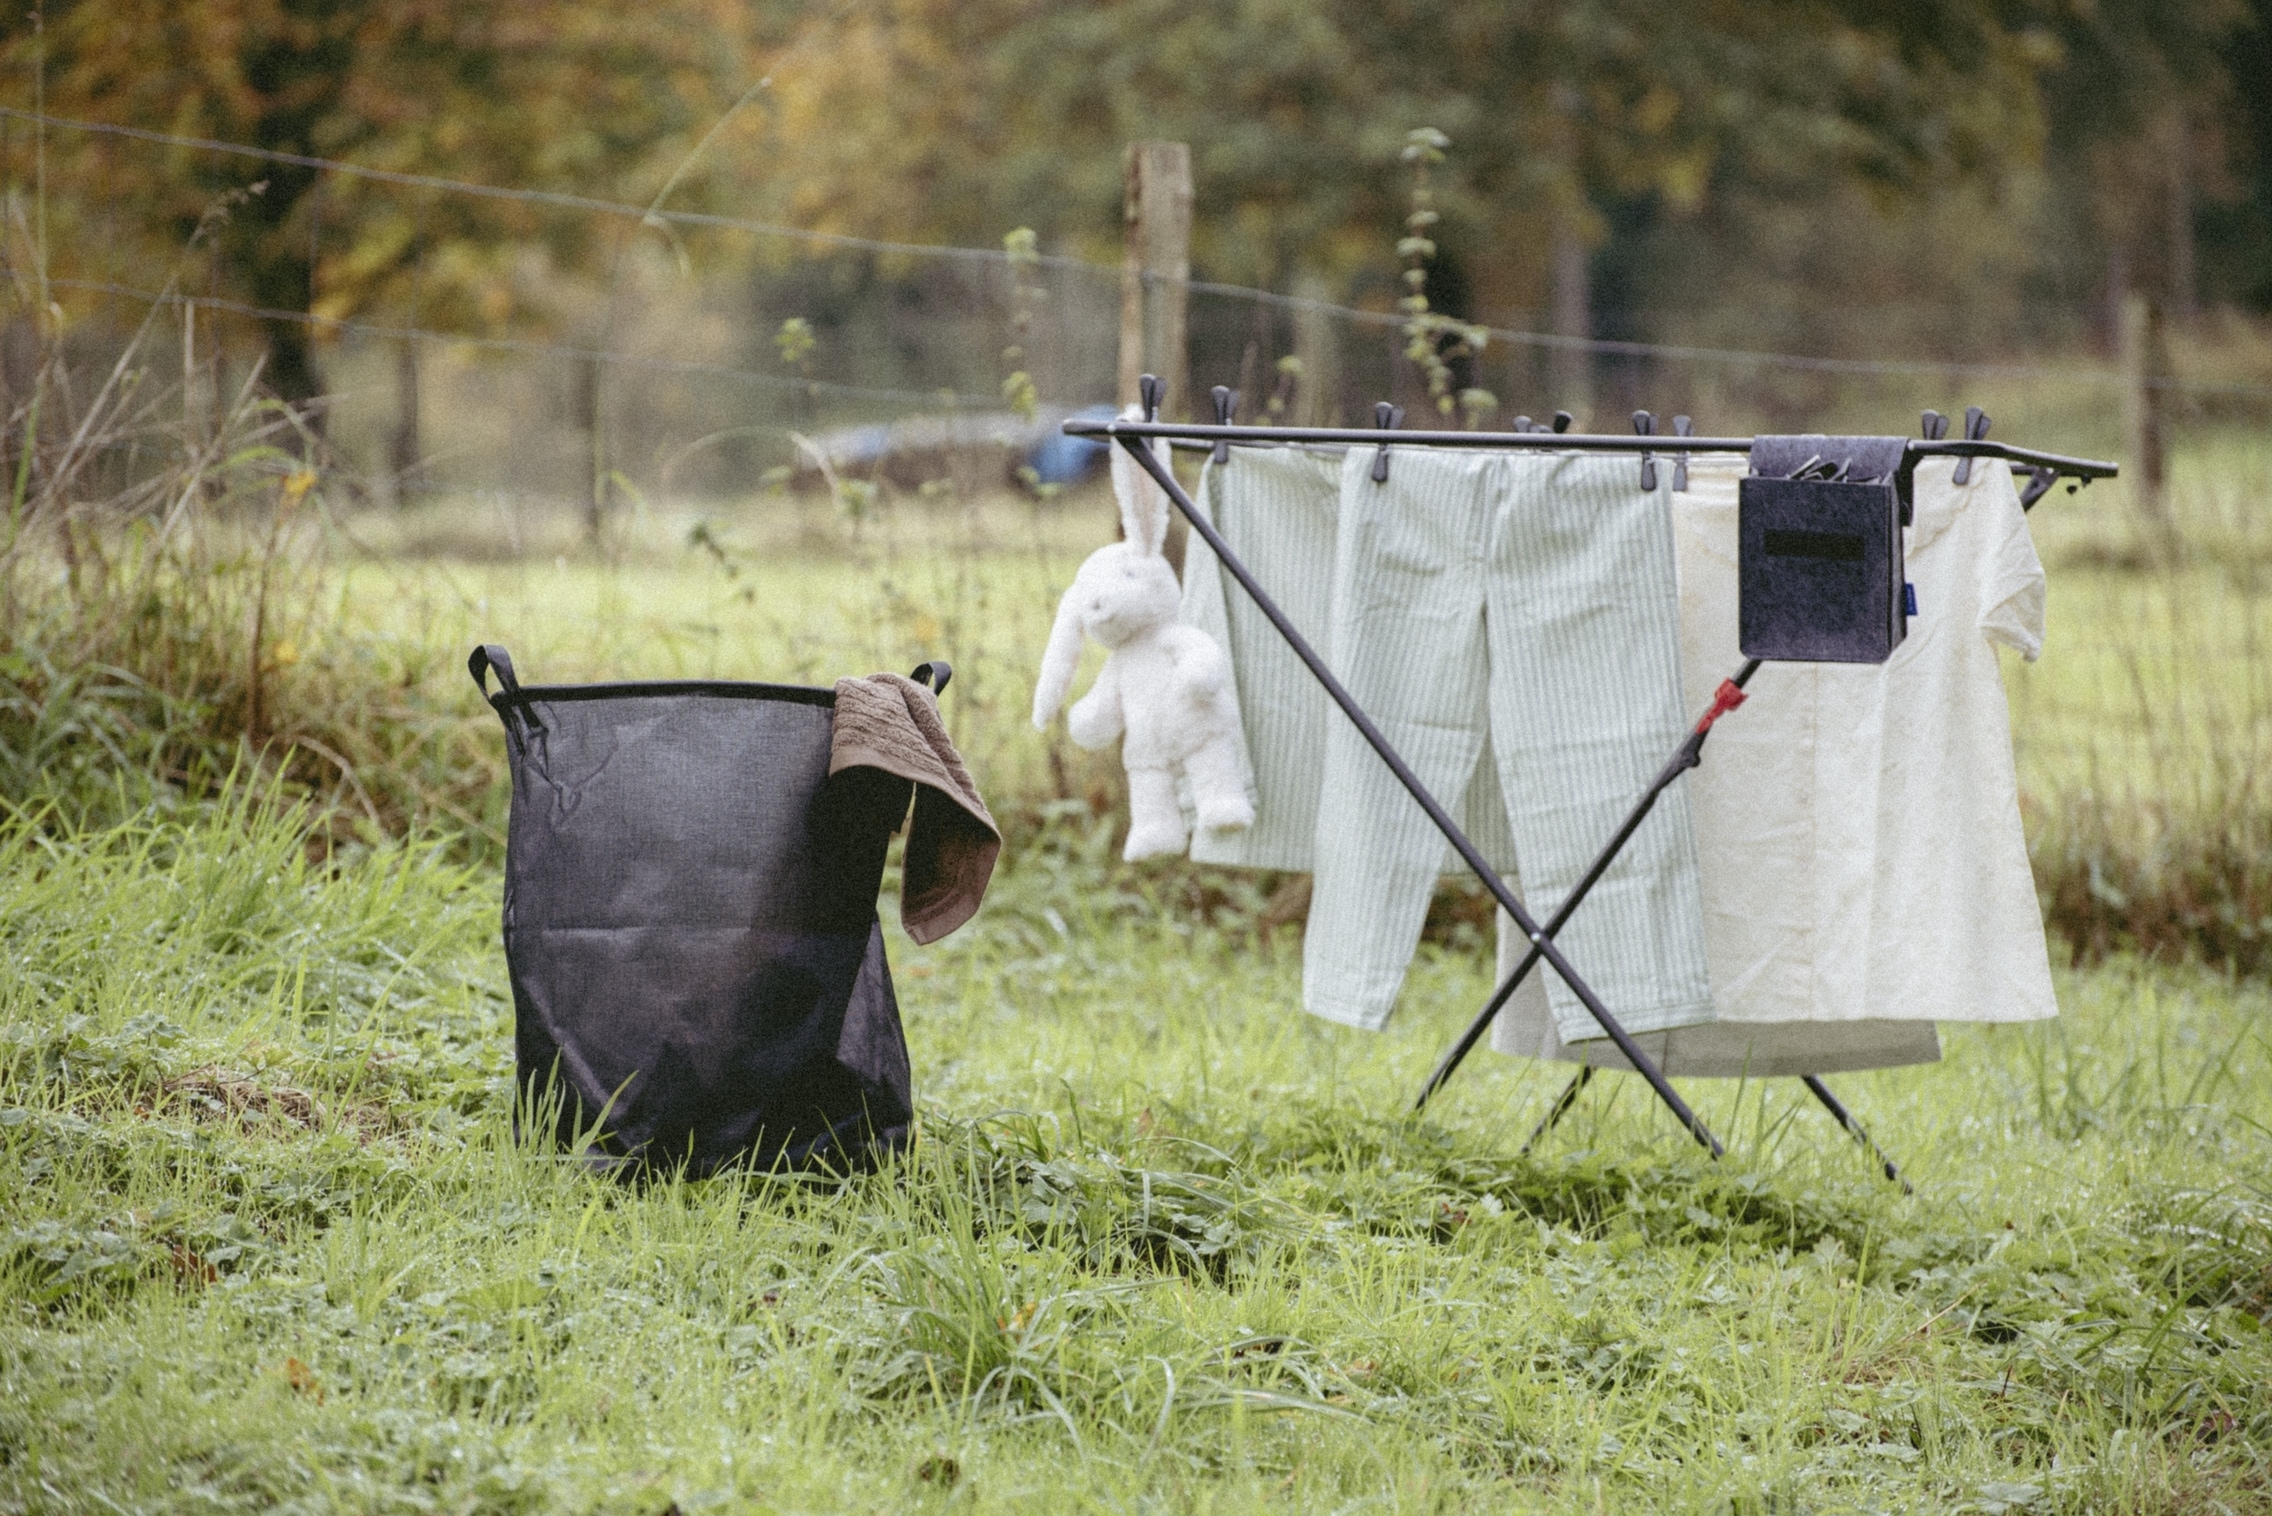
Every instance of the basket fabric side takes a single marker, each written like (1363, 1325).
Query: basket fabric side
(690, 923)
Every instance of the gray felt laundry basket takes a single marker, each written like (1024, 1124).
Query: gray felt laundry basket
(690, 924)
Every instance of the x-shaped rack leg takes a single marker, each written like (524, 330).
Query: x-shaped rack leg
(1685, 757)
(1821, 1092)
(1559, 1109)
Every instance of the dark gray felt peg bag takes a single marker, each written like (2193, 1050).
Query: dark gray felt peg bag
(1819, 556)
(690, 924)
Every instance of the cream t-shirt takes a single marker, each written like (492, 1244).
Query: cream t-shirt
(1857, 826)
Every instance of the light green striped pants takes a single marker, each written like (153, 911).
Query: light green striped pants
(1511, 622)
(1527, 601)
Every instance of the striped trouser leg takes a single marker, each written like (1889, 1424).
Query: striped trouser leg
(1409, 642)
(1583, 630)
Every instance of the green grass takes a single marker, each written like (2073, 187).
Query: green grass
(788, 591)
(2143, 732)
(1164, 1242)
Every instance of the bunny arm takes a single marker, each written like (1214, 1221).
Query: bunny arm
(1201, 668)
(1097, 719)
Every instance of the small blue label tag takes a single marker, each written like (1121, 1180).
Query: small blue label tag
(1908, 598)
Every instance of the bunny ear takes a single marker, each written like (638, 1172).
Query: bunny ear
(1058, 662)
(1143, 504)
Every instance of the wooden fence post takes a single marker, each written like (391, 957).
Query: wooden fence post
(1155, 270)
(2145, 396)
(405, 450)
(1570, 369)
(1317, 344)
(586, 403)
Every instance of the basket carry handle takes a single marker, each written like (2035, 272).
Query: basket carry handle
(507, 704)
(490, 656)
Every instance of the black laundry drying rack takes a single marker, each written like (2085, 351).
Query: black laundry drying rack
(2044, 470)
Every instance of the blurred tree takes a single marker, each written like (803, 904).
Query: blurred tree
(1822, 175)
(2236, 226)
(2140, 96)
(943, 118)
(553, 94)
(1746, 155)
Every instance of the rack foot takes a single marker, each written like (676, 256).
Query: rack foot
(1558, 1109)
(1846, 1119)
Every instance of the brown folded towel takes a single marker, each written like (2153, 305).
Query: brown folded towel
(889, 722)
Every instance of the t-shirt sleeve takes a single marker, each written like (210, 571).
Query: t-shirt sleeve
(2012, 584)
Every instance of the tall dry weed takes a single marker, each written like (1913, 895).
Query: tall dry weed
(2151, 832)
(163, 611)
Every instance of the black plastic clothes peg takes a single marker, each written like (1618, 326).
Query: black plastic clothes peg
(1682, 426)
(1975, 428)
(1226, 411)
(1562, 420)
(1150, 390)
(1645, 425)
(1388, 418)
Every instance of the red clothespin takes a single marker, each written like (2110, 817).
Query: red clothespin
(1724, 699)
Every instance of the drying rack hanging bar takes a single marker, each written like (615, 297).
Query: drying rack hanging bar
(1583, 442)
(2083, 469)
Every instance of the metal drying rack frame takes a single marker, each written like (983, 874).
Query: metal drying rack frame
(2044, 470)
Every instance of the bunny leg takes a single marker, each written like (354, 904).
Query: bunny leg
(1155, 821)
(1218, 790)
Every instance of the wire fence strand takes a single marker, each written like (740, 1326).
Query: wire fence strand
(736, 361)
(838, 241)
(526, 346)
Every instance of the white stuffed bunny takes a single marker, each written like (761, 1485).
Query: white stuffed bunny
(1165, 691)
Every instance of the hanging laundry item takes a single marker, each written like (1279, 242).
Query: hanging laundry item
(1923, 872)
(1857, 827)
(1714, 1050)
(890, 723)
(1280, 509)
(1276, 507)
(1755, 851)
(1527, 599)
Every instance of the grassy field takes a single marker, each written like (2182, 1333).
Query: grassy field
(2141, 733)
(784, 590)
(1164, 1242)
